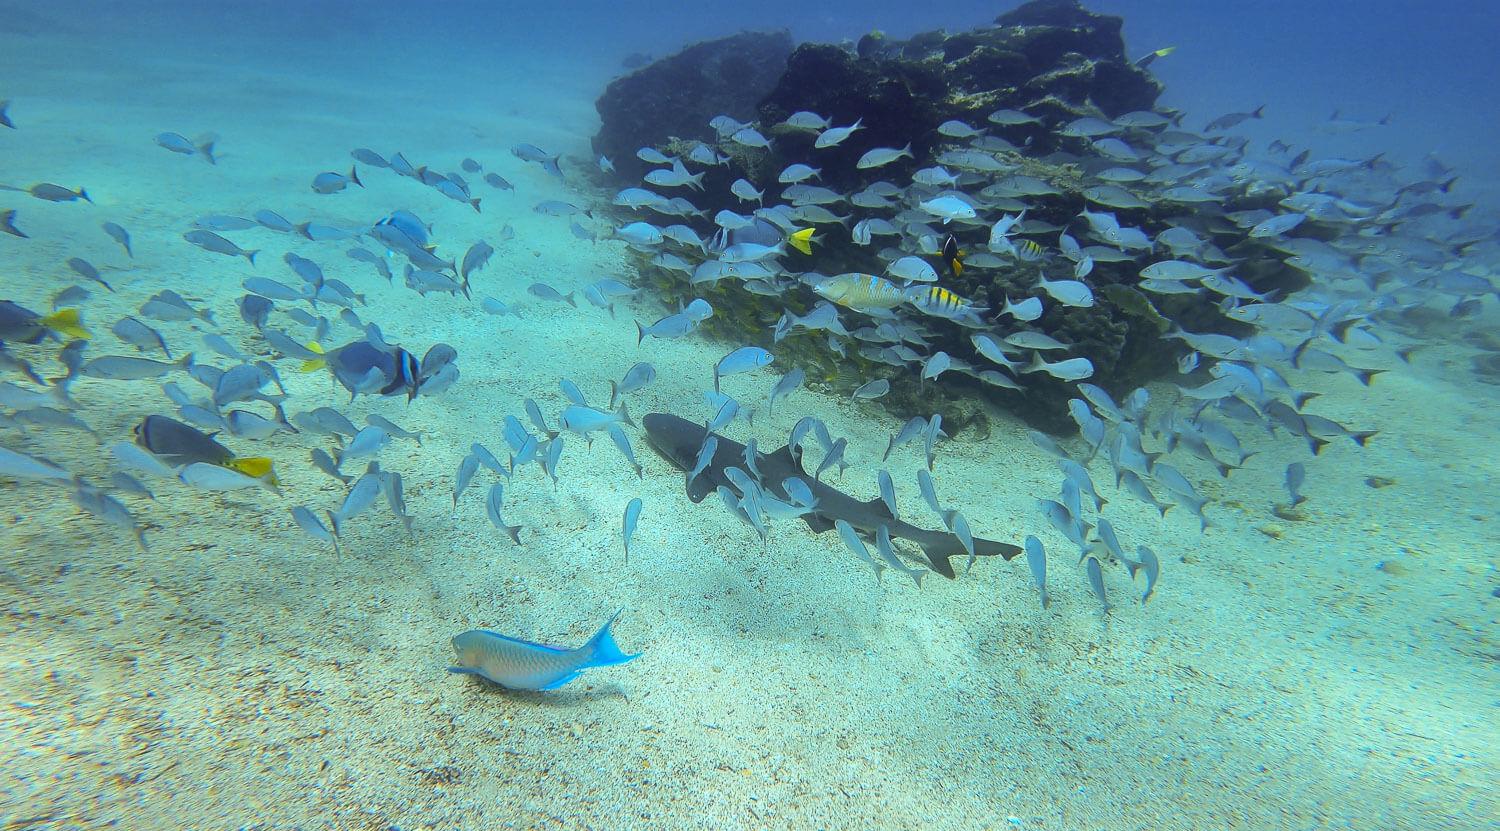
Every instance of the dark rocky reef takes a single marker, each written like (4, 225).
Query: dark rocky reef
(676, 96)
(1049, 58)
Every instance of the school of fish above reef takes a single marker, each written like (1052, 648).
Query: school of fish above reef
(1065, 254)
(1051, 254)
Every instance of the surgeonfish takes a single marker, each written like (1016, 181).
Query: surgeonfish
(21, 325)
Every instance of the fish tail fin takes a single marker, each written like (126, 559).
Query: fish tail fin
(602, 649)
(250, 255)
(68, 322)
(207, 149)
(640, 333)
(354, 175)
(624, 414)
(185, 362)
(613, 394)
(256, 467)
(313, 365)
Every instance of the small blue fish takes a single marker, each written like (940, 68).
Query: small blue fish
(671, 326)
(552, 457)
(483, 455)
(705, 455)
(1036, 558)
(930, 436)
(788, 384)
(1296, 475)
(908, 431)
(534, 413)
(728, 409)
(929, 493)
(740, 360)
(532, 153)
(636, 377)
(180, 144)
(492, 505)
(547, 292)
(857, 547)
(521, 665)
(315, 528)
(1096, 582)
(887, 491)
(585, 420)
(835, 456)
(467, 467)
(335, 182)
(367, 442)
(627, 526)
(623, 443)
(871, 390)
(1152, 567)
(359, 498)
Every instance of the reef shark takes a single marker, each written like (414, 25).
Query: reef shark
(679, 440)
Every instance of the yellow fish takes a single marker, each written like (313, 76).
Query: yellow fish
(256, 467)
(803, 240)
(1029, 250)
(939, 302)
(313, 366)
(66, 322)
(1149, 57)
(861, 292)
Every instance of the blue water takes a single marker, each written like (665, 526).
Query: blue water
(1334, 668)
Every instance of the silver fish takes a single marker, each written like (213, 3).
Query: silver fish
(628, 523)
(888, 554)
(492, 505)
(857, 546)
(1096, 582)
(1036, 559)
(635, 378)
(124, 368)
(214, 478)
(360, 497)
(466, 470)
(623, 443)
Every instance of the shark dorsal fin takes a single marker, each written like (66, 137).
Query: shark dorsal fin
(817, 522)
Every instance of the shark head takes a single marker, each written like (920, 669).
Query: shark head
(676, 439)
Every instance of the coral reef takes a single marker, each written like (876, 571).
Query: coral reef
(1051, 59)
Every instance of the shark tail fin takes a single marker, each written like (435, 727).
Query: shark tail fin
(939, 550)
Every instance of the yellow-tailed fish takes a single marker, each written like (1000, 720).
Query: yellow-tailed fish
(861, 292)
(313, 366)
(255, 467)
(66, 322)
(1147, 59)
(803, 240)
(951, 256)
